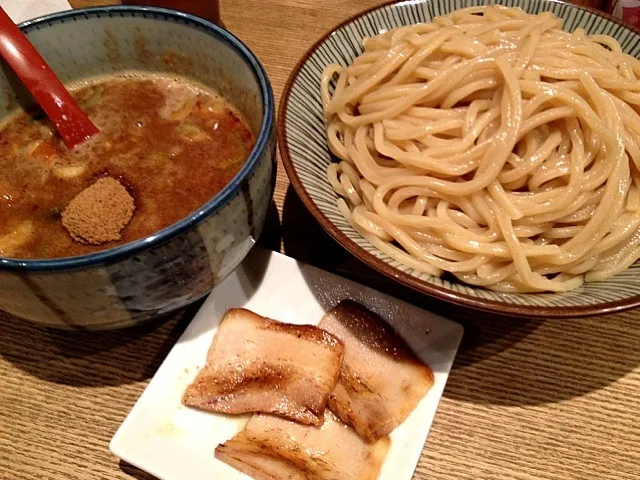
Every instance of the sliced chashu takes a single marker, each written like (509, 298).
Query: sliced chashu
(381, 379)
(272, 448)
(259, 365)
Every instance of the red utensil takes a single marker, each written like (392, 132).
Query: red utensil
(72, 123)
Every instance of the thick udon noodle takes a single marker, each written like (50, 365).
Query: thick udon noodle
(493, 145)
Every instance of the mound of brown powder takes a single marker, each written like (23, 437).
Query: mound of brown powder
(99, 213)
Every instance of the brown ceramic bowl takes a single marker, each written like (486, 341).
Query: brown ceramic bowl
(305, 155)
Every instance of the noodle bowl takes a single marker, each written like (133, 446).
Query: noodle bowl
(492, 145)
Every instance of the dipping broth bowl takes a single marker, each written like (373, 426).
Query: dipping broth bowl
(173, 267)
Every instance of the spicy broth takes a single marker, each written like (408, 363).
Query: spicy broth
(171, 142)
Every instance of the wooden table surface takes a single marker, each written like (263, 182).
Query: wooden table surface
(537, 399)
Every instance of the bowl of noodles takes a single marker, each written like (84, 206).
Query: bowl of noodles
(487, 155)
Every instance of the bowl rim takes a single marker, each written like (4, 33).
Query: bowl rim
(441, 293)
(215, 203)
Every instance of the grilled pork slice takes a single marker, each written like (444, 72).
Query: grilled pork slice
(271, 448)
(381, 379)
(259, 365)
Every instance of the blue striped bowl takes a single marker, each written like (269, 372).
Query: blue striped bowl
(141, 280)
(306, 156)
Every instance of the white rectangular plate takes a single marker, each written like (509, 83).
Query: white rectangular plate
(174, 442)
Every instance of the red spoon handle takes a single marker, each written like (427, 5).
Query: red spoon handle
(72, 123)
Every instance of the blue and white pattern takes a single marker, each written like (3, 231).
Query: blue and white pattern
(306, 157)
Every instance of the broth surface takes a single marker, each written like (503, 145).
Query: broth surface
(171, 142)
